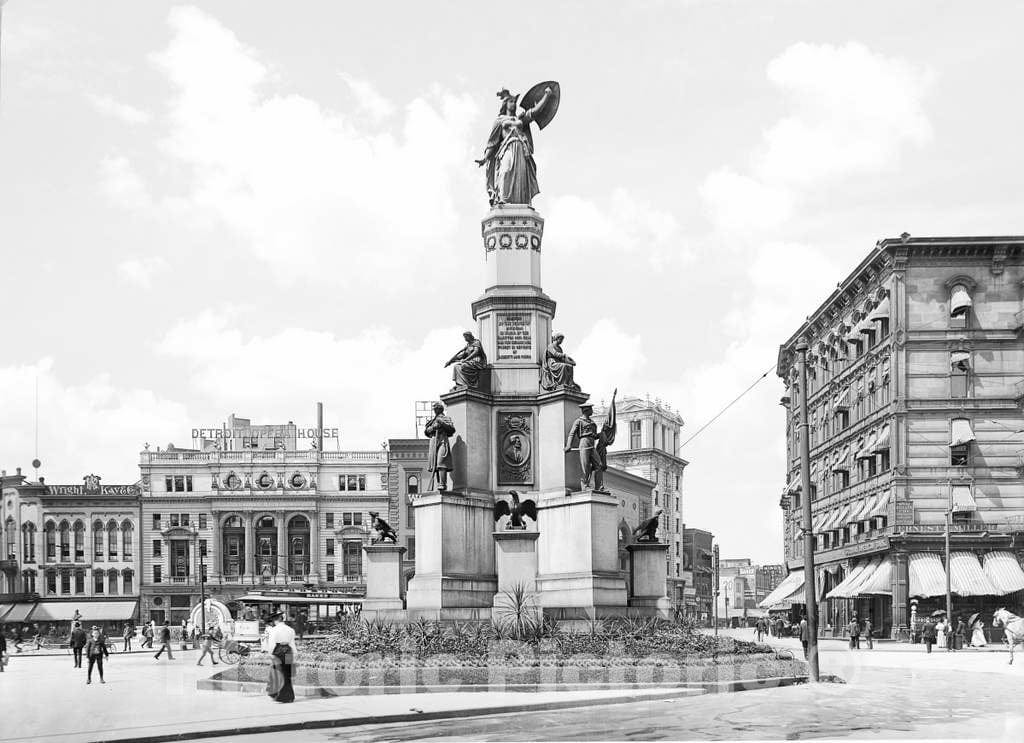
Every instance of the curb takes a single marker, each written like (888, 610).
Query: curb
(348, 722)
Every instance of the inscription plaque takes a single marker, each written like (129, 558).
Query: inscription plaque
(904, 513)
(515, 337)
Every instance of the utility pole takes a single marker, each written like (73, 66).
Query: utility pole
(718, 585)
(202, 583)
(949, 526)
(805, 498)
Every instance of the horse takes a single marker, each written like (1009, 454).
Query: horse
(1013, 627)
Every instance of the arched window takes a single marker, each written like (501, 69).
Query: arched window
(50, 538)
(127, 540)
(79, 541)
(265, 522)
(112, 540)
(29, 580)
(65, 541)
(51, 582)
(112, 582)
(128, 575)
(298, 522)
(10, 537)
(413, 485)
(97, 540)
(28, 542)
(233, 522)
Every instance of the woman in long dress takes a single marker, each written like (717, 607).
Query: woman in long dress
(978, 635)
(940, 633)
(511, 170)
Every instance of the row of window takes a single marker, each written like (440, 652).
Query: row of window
(110, 582)
(66, 542)
(183, 483)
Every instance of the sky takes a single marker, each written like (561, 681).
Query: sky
(248, 207)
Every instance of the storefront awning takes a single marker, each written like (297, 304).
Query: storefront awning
(959, 301)
(960, 360)
(783, 592)
(858, 510)
(18, 612)
(881, 443)
(91, 611)
(842, 464)
(4, 608)
(967, 578)
(960, 432)
(927, 576)
(881, 312)
(842, 590)
(963, 499)
(1004, 572)
(879, 583)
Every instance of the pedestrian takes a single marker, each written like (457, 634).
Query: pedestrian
(129, 633)
(3, 648)
(805, 633)
(941, 633)
(280, 643)
(867, 633)
(207, 646)
(978, 634)
(757, 629)
(77, 641)
(38, 635)
(854, 629)
(960, 634)
(18, 637)
(165, 641)
(929, 634)
(147, 636)
(184, 634)
(96, 651)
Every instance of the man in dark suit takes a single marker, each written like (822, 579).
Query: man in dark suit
(928, 635)
(165, 641)
(77, 642)
(805, 633)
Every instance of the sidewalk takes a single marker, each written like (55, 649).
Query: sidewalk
(48, 700)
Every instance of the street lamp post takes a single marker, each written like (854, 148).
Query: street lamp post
(805, 497)
(202, 581)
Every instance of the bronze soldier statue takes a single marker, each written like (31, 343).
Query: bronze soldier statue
(469, 362)
(439, 455)
(584, 429)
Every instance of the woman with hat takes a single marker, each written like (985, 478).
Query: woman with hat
(281, 646)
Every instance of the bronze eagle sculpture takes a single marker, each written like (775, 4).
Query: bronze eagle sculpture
(383, 529)
(516, 511)
(648, 530)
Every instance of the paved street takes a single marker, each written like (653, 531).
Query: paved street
(895, 691)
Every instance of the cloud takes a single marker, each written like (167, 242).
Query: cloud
(608, 357)
(122, 185)
(93, 426)
(309, 191)
(370, 379)
(117, 110)
(368, 100)
(140, 271)
(624, 224)
(851, 111)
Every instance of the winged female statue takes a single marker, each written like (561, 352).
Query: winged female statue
(511, 170)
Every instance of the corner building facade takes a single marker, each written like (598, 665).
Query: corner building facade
(273, 519)
(914, 404)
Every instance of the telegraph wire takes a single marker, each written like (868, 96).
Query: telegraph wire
(722, 411)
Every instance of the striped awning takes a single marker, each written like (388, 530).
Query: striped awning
(842, 463)
(879, 583)
(91, 611)
(881, 311)
(1004, 572)
(880, 506)
(960, 432)
(967, 577)
(859, 509)
(816, 522)
(963, 499)
(842, 400)
(960, 360)
(793, 486)
(785, 591)
(19, 612)
(881, 442)
(927, 576)
(842, 590)
(959, 301)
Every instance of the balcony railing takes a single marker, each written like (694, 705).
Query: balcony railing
(279, 456)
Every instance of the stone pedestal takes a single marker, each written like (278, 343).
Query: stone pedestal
(577, 556)
(383, 567)
(648, 571)
(455, 577)
(515, 554)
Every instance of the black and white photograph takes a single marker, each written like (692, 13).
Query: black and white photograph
(561, 370)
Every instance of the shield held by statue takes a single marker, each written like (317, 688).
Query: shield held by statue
(533, 96)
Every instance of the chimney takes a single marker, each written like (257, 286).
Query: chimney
(319, 426)
(17, 471)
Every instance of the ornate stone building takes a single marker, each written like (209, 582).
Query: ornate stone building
(68, 549)
(914, 387)
(646, 443)
(266, 516)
